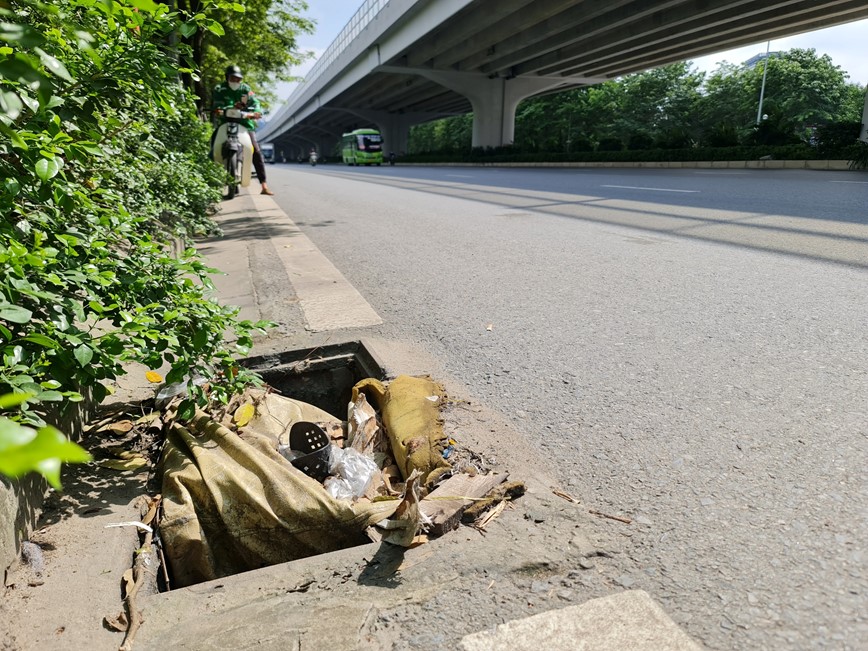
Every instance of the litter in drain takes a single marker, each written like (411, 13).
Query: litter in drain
(240, 493)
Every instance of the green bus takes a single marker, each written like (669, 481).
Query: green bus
(362, 147)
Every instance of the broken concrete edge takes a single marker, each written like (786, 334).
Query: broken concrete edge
(21, 499)
(626, 620)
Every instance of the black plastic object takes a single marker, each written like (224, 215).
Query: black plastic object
(314, 443)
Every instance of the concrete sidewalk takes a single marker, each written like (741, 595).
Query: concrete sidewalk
(274, 272)
(537, 576)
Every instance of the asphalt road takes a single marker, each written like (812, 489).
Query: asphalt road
(689, 347)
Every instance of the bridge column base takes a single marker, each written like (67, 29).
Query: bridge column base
(494, 101)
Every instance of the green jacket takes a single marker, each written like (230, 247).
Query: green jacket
(224, 97)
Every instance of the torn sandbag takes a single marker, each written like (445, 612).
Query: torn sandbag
(410, 411)
(232, 503)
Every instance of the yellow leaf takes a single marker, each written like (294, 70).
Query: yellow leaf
(124, 464)
(122, 453)
(154, 377)
(243, 414)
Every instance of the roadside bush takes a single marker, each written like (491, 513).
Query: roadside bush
(721, 135)
(674, 139)
(640, 141)
(609, 144)
(832, 139)
(859, 156)
(102, 164)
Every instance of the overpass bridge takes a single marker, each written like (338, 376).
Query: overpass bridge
(403, 62)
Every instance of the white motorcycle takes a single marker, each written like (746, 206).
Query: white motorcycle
(233, 148)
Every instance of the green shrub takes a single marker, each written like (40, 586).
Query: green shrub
(833, 139)
(859, 156)
(103, 163)
(610, 144)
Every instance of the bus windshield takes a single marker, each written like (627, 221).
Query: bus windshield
(371, 142)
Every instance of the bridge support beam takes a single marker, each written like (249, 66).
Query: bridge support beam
(494, 101)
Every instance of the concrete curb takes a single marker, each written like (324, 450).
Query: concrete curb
(629, 620)
(832, 165)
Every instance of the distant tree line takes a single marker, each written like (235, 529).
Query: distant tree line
(808, 100)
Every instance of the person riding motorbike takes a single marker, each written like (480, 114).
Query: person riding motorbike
(233, 92)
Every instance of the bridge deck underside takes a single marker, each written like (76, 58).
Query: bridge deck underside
(575, 41)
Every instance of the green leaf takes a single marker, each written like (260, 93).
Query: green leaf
(145, 5)
(23, 450)
(12, 186)
(42, 340)
(47, 168)
(14, 313)
(215, 28)
(13, 399)
(187, 409)
(24, 36)
(10, 104)
(188, 29)
(17, 140)
(53, 65)
(90, 148)
(83, 354)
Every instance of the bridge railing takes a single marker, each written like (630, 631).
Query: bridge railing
(361, 19)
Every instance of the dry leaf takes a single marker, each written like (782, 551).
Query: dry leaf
(123, 464)
(117, 622)
(121, 426)
(149, 418)
(244, 414)
(122, 453)
(153, 377)
(128, 581)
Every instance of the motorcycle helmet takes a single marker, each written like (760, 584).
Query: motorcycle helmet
(234, 71)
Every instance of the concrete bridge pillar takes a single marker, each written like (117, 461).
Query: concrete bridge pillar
(494, 101)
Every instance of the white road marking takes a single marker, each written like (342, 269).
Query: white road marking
(460, 176)
(635, 187)
(328, 300)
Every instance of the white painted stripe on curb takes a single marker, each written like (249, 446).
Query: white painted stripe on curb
(327, 299)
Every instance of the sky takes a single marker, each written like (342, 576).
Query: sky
(845, 44)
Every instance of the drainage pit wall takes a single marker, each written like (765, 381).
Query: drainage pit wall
(323, 377)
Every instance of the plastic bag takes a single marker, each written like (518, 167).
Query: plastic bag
(338, 488)
(354, 469)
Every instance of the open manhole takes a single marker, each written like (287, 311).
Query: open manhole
(238, 494)
(323, 377)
